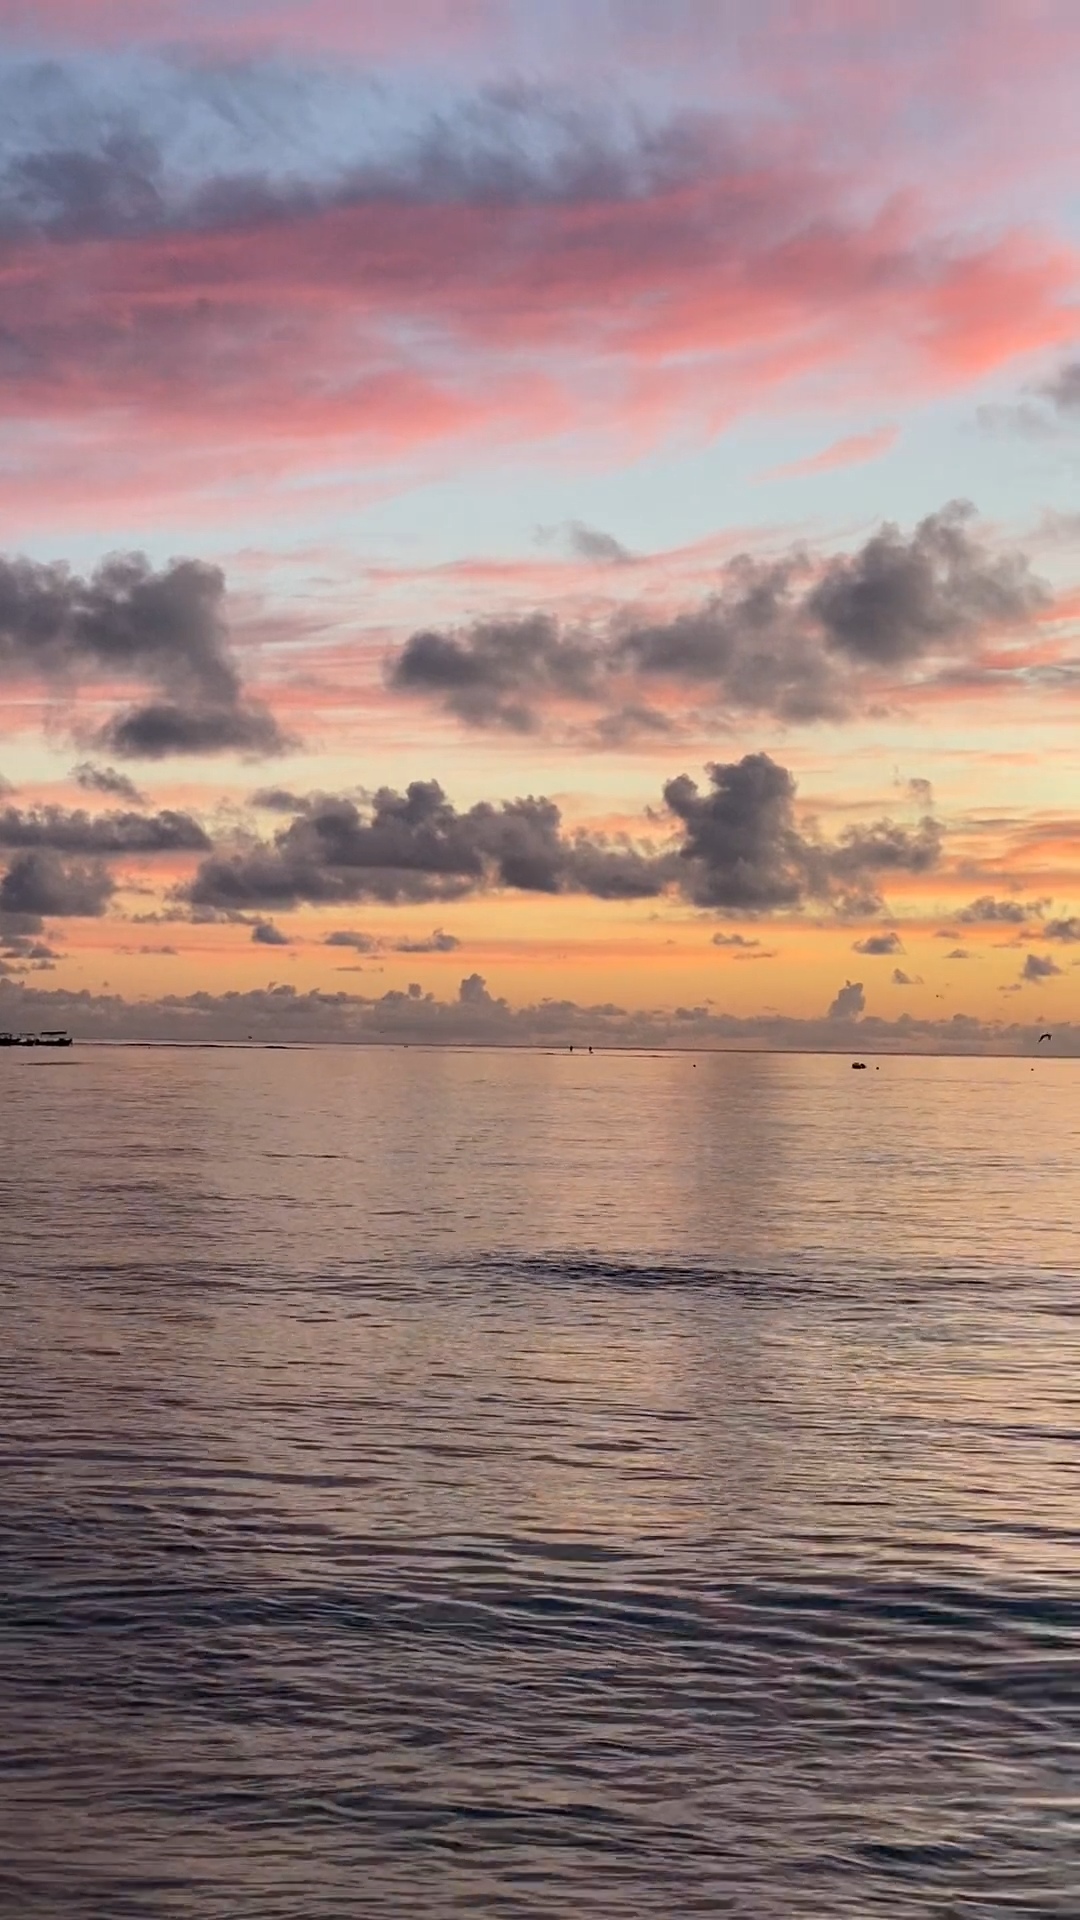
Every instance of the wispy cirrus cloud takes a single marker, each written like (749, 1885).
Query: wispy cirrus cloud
(851, 450)
(382, 300)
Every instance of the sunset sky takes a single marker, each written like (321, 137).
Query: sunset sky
(541, 519)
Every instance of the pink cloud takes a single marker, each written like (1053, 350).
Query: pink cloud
(850, 451)
(379, 329)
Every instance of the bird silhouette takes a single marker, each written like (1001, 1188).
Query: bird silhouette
(1044, 1036)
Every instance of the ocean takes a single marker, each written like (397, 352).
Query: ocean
(529, 1485)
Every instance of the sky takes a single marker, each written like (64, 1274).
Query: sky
(541, 522)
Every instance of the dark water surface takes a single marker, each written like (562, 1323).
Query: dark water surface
(520, 1485)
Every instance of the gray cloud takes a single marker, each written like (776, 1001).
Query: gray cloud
(1038, 966)
(476, 1013)
(879, 943)
(437, 942)
(986, 910)
(958, 953)
(265, 934)
(359, 942)
(736, 846)
(781, 637)
(42, 885)
(896, 599)
(497, 674)
(417, 846)
(277, 800)
(94, 779)
(1064, 389)
(1067, 931)
(849, 1003)
(127, 622)
(733, 940)
(902, 979)
(73, 831)
(506, 145)
(165, 727)
(743, 848)
(590, 543)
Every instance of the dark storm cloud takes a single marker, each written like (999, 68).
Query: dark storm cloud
(94, 779)
(736, 845)
(126, 622)
(1038, 966)
(782, 637)
(849, 1003)
(41, 884)
(879, 943)
(73, 831)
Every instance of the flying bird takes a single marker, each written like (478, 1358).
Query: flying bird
(1044, 1036)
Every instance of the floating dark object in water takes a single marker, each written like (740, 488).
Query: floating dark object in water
(1044, 1036)
(858, 1066)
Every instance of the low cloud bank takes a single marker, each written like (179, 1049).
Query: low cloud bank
(282, 1014)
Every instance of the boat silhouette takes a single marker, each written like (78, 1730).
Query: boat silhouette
(51, 1037)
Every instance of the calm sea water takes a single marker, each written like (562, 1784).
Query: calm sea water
(521, 1485)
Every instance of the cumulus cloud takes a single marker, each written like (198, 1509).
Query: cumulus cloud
(266, 934)
(958, 953)
(879, 943)
(417, 846)
(849, 1003)
(1067, 930)
(500, 671)
(348, 937)
(743, 848)
(1039, 966)
(107, 780)
(128, 623)
(792, 638)
(902, 979)
(42, 885)
(437, 942)
(736, 846)
(986, 911)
